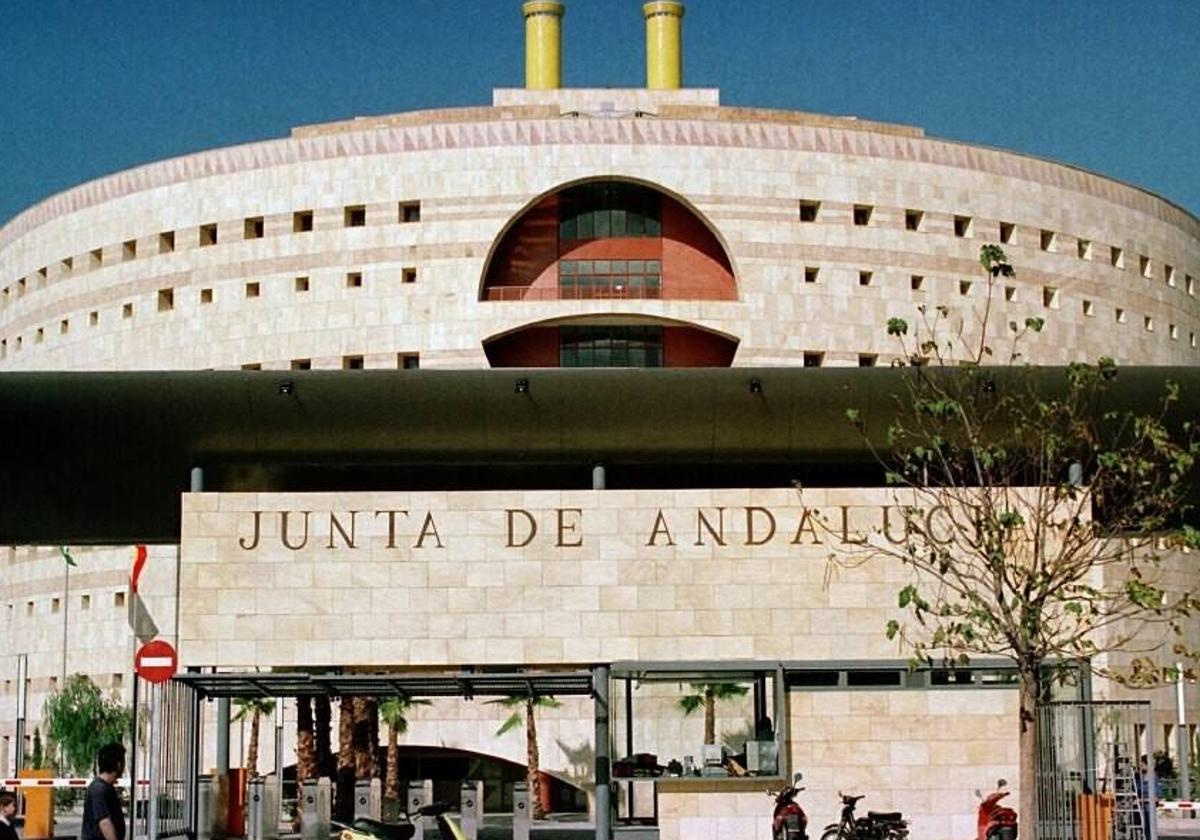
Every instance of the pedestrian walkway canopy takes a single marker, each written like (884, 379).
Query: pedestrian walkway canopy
(467, 685)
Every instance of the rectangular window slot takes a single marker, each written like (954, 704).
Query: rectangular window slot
(64, 326)
(253, 289)
(21, 286)
(408, 275)
(252, 366)
(1089, 309)
(129, 249)
(3, 347)
(913, 219)
(118, 680)
(1010, 294)
(874, 678)
(1119, 315)
(1007, 229)
(1148, 323)
(354, 280)
(916, 282)
(813, 359)
(127, 310)
(964, 287)
(1050, 297)
(55, 605)
(1083, 249)
(1047, 240)
(301, 364)
(1189, 285)
(962, 226)
(1173, 332)
(302, 284)
(1144, 267)
(1192, 340)
(254, 227)
(867, 359)
(864, 278)
(68, 264)
(43, 274)
(93, 318)
(18, 343)
(1169, 273)
(40, 335)
(302, 221)
(352, 362)
(29, 608)
(118, 599)
(166, 242)
(208, 235)
(1116, 256)
(85, 602)
(355, 216)
(809, 210)
(410, 211)
(96, 258)
(810, 274)
(862, 214)
(206, 295)
(408, 361)
(166, 300)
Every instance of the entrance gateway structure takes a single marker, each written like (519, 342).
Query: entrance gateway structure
(361, 358)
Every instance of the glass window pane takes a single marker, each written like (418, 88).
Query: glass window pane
(653, 228)
(637, 266)
(635, 223)
(603, 224)
(568, 228)
(585, 229)
(584, 267)
(602, 267)
(567, 267)
(653, 266)
(618, 222)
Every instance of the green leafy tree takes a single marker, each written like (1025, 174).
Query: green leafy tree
(525, 708)
(394, 713)
(253, 708)
(705, 696)
(80, 720)
(1034, 515)
(37, 754)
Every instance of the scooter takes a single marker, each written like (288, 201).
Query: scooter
(995, 821)
(364, 828)
(876, 825)
(789, 821)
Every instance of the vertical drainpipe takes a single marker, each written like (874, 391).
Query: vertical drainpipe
(664, 46)
(543, 44)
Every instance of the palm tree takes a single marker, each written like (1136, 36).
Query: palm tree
(322, 717)
(306, 759)
(707, 694)
(344, 784)
(253, 708)
(394, 712)
(528, 703)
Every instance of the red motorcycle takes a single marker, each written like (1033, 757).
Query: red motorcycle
(789, 821)
(995, 821)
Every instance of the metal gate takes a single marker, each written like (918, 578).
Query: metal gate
(167, 725)
(1091, 783)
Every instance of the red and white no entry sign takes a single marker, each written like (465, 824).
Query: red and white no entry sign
(156, 661)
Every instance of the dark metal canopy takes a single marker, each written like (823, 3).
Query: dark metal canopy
(467, 685)
(103, 457)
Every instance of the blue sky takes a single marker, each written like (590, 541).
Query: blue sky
(88, 88)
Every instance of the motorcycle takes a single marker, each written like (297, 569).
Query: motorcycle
(995, 821)
(876, 825)
(364, 828)
(789, 822)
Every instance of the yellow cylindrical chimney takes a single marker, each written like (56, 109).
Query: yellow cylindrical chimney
(543, 44)
(664, 47)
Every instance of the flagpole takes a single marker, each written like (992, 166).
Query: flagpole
(62, 686)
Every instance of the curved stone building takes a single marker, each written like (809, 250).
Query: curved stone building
(564, 228)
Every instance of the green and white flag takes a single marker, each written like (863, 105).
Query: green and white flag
(66, 555)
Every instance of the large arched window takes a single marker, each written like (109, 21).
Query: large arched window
(610, 341)
(608, 240)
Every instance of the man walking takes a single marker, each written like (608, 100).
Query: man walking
(8, 811)
(102, 815)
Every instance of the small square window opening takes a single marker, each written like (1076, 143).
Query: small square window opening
(127, 310)
(864, 278)
(862, 214)
(166, 300)
(867, 359)
(916, 281)
(1050, 297)
(129, 249)
(355, 216)
(1010, 293)
(354, 280)
(93, 318)
(913, 219)
(1145, 267)
(206, 295)
(118, 599)
(1148, 323)
(1116, 257)
(254, 228)
(809, 210)
(302, 221)
(302, 284)
(64, 326)
(96, 258)
(166, 242)
(208, 235)
(813, 359)
(1119, 315)
(1007, 229)
(301, 364)
(1083, 249)
(352, 362)
(253, 289)
(410, 211)
(1047, 240)
(1089, 309)
(1169, 273)
(408, 361)
(962, 226)
(810, 274)
(408, 275)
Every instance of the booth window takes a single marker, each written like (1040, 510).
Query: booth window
(723, 724)
(606, 345)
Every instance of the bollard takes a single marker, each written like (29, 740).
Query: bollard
(522, 817)
(314, 810)
(471, 808)
(368, 799)
(420, 794)
(205, 813)
(262, 812)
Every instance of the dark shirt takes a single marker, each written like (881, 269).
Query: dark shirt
(101, 801)
(7, 832)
